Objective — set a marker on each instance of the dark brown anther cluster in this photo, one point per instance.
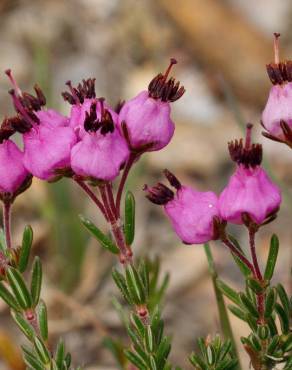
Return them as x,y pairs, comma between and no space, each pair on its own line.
159,194
84,90
279,72
105,124
248,156
11,125
172,179
167,90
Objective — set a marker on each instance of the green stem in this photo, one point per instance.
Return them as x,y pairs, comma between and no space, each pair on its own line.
223,315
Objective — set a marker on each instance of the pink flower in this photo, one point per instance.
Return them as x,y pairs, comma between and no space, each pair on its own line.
277,114
102,151
191,212
47,150
249,190
145,120
47,138
12,170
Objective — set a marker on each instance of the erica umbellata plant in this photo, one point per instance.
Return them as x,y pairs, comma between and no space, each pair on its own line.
96,147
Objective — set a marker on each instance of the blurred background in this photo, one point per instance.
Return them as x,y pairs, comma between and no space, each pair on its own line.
222,48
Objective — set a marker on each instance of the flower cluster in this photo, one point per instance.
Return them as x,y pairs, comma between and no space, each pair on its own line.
249,197
94,143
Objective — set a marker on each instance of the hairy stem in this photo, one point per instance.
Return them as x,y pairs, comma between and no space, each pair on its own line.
235,251
127,168
260,296
7,222
93,197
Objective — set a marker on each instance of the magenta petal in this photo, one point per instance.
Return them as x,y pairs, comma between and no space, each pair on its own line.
278,108
47,149
12,170
249,191
148,121
52,117
99,156
191,213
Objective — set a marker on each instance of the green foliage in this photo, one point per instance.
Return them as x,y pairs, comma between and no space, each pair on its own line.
129,218
214,354
104,241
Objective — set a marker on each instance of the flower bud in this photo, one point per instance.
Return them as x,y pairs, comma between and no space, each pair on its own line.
249,191
102,151
277,114
191,212
145,120
12,171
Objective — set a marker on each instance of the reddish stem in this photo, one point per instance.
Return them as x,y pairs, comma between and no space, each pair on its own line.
7,222
90,193
127,168
260,296
109,212
235,251
109,190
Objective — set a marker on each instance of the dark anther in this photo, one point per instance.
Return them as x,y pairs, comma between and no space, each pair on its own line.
84,90
159,194
105,124
11,125
119,106
280,72
167,90
249,157
172,179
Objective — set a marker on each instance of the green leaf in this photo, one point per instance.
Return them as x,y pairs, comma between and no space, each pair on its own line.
255,285
129,218
23,325
272,258
134,285
25,248
135,360
36,281
144,274
283,298
273,345
152,363
43,320
149,340
270,302
42,351
263,332
121,284
211,356
33,362
19,288
60,354
104,241
8,297
138,324
248,304
163,352
228,291
283,317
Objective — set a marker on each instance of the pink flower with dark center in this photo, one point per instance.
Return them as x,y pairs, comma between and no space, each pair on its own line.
81,99
47,137
249,191
102,151
277,115
192,213
145,120
12,170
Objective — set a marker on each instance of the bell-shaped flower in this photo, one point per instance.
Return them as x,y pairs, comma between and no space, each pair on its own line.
192,213
277,114
249,191
12,171
145,120
102,151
